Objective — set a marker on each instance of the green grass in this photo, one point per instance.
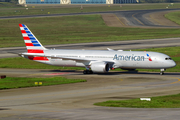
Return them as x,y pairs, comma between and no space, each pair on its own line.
22,63
171,101
7,5
18,82
174,16
75,29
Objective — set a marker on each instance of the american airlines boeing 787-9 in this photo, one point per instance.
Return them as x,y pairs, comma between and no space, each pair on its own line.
100,61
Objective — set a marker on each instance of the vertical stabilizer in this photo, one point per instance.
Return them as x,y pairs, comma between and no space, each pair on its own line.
31,42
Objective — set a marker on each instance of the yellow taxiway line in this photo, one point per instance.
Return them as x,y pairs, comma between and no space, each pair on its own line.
119,20
137,19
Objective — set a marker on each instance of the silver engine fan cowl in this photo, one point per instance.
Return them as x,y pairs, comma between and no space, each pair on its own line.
101,67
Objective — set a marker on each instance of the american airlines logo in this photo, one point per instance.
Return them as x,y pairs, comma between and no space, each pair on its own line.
149,57
128,58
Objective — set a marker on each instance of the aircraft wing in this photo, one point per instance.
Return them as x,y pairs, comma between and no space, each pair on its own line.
61,57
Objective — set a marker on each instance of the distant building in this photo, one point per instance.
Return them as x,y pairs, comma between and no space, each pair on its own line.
77,1
125,1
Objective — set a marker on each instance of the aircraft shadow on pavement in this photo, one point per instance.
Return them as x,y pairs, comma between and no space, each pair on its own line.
4,109
58,70
112,73
138,73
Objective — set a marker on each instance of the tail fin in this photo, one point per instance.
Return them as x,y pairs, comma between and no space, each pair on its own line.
31,42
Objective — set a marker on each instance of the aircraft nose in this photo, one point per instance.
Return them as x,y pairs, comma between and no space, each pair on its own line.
173,64
170,64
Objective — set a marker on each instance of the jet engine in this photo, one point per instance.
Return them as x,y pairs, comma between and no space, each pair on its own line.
101,67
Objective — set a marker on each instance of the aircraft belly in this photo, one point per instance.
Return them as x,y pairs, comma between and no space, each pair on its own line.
140,64
45,62
133,64
149,65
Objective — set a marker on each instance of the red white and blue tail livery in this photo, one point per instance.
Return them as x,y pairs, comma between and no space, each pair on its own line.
31,42
100,61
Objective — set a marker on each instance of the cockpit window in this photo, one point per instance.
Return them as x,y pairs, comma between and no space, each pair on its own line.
168,58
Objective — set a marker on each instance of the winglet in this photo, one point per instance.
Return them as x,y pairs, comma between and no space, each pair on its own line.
110,49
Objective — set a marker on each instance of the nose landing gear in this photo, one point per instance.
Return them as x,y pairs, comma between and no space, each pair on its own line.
162,71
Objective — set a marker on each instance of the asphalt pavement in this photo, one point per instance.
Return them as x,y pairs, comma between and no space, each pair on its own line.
75,101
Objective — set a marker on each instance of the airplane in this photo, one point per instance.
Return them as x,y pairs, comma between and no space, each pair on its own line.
95,61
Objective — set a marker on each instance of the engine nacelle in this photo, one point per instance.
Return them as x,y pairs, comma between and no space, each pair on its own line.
101,67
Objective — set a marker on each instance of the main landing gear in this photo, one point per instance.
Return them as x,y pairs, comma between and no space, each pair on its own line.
87,72
162,71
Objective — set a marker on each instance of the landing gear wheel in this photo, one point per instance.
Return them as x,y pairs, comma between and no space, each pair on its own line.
87,72
91,72
162,71
84,72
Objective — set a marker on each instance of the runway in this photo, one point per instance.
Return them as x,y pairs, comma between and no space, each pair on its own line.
75,101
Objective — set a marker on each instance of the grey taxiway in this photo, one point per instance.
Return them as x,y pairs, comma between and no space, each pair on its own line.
75,101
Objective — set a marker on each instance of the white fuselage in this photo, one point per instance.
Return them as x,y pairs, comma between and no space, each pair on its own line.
119,59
